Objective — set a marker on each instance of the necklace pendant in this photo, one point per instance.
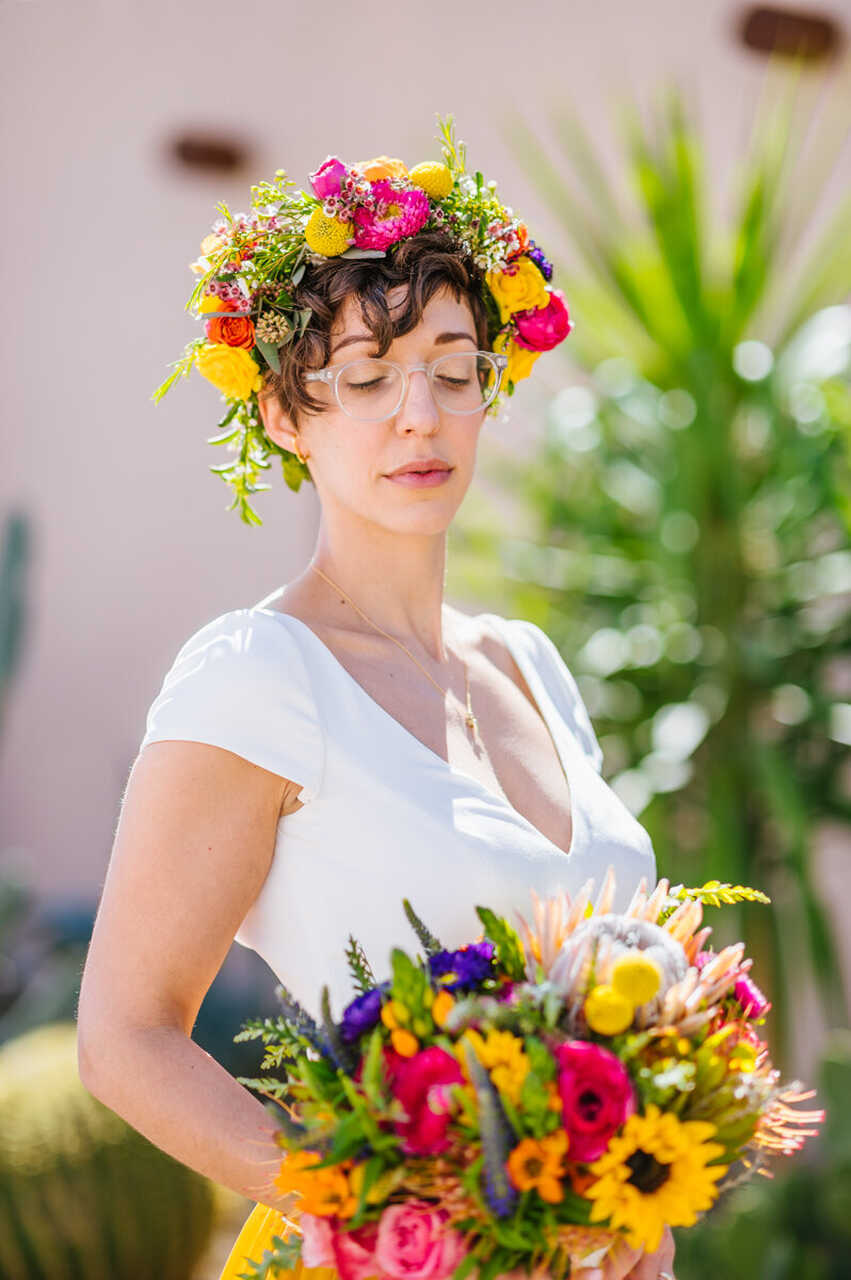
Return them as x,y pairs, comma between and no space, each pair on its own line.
472,723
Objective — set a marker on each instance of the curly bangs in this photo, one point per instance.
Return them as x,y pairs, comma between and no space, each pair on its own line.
426,263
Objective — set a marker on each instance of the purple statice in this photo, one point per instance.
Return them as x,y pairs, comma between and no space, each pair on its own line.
543,264
362,1013
470,965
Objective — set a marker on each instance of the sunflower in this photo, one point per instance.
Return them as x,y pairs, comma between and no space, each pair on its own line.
655,1174
538,1163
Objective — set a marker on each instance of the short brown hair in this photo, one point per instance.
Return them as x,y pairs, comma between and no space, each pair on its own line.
426,263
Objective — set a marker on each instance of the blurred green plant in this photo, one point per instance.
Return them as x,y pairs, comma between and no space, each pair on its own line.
682,532
796,1226
14,562
82,1194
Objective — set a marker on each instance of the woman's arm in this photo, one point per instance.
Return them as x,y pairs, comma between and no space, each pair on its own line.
194,843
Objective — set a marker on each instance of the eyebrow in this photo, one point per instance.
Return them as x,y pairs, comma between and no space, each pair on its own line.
367,337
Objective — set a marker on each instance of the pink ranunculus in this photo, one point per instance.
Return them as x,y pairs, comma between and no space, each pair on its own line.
396,214
416,1242
597,1097
354,1251
541,328
421,1084
327,178
317,1245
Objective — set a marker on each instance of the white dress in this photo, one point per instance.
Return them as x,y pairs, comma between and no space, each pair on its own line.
383,816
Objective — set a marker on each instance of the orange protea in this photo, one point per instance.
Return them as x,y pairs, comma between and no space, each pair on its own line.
538,1163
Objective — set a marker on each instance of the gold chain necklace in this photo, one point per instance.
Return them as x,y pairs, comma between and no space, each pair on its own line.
469,719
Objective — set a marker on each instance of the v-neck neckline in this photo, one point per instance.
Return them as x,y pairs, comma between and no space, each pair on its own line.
448,767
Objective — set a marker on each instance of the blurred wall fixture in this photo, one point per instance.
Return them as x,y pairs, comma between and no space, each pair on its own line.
208,151
769,28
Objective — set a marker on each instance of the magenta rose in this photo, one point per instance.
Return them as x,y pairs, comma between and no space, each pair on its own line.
415,1242
597,1097
327,178
317,1243
421,1084
354,1251
541,328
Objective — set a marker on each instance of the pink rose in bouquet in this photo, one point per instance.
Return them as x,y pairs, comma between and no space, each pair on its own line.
541,328
415,1242
597,1097
421,1084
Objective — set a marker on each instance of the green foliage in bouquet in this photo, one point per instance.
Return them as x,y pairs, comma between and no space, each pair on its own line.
82,1194
682,532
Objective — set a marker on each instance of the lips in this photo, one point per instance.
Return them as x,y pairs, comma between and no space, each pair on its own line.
421,469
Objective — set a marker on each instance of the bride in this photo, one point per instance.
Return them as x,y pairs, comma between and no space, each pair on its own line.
352,739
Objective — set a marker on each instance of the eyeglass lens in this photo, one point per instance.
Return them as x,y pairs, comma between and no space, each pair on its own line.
461,382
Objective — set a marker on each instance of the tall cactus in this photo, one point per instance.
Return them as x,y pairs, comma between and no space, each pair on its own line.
83,1196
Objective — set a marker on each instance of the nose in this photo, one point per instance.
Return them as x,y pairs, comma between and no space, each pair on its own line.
418,409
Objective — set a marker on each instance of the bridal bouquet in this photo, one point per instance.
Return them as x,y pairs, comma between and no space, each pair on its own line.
524,1102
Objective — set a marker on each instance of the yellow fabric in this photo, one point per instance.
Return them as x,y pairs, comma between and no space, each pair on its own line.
261,1225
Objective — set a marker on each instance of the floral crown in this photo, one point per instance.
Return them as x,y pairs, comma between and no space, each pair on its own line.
251,265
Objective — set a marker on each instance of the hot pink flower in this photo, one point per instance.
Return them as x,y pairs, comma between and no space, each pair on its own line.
421,1083
415,1242
541,328
354,1251
749,996
597,1097
326,180
317,1245
396,214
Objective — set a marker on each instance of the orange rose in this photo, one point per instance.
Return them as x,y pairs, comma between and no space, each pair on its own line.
234,331
381,167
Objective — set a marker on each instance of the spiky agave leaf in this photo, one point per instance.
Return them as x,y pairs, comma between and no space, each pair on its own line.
498,1137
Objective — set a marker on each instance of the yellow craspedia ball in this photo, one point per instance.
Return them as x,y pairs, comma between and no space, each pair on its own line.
328,236
432,177
232,369
636,976
607,1011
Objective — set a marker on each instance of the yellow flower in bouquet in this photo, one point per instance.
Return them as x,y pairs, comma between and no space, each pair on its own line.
657,1173
520,360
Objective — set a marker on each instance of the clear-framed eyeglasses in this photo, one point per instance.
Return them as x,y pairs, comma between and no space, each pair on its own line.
369,389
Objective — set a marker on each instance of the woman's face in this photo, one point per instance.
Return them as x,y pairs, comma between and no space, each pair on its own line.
350,460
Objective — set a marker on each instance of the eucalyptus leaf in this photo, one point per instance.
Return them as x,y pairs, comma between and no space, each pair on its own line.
298,273
269,353
364,253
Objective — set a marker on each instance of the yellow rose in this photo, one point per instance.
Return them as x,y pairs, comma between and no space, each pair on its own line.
520,360
381,167
520,287
232,369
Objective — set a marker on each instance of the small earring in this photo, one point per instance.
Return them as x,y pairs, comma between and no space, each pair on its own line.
298,454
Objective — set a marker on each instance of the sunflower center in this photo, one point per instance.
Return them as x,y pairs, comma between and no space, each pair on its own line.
648,1174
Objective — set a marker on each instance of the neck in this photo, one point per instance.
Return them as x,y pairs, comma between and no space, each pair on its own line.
397,582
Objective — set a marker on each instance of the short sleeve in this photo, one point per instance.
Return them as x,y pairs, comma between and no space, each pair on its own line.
241,683
562,688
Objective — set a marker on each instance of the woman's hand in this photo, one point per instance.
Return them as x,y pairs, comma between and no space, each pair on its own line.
624,1263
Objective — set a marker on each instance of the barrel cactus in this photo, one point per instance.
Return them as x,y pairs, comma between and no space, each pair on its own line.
83,1196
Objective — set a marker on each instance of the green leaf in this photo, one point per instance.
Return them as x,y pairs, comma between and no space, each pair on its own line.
297,274
363,253
509,948
429,942
269,353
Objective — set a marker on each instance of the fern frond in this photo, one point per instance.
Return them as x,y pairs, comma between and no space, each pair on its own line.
428,941
359,967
